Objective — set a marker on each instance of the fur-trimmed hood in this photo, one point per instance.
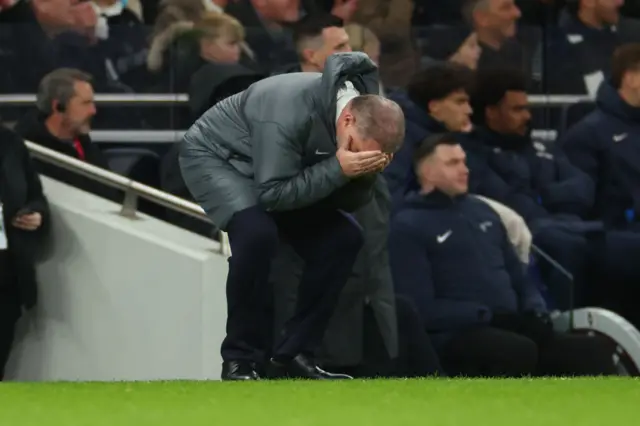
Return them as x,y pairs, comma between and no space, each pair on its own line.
162,42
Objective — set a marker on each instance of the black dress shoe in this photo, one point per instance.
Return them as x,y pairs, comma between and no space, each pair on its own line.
301,367
239,370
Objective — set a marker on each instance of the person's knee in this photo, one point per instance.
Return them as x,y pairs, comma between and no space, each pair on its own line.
253,231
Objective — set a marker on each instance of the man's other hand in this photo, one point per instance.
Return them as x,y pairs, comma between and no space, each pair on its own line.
28,222
356,164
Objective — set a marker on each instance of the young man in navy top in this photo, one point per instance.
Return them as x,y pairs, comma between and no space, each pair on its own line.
450,254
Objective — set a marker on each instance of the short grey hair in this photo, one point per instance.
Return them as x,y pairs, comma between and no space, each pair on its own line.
59,85
470,7
380,119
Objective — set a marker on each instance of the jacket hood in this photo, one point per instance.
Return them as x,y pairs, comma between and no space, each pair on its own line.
415,114
162,42
609,101
339,67
214,82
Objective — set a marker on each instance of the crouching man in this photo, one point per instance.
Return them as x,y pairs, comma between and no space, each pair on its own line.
450,254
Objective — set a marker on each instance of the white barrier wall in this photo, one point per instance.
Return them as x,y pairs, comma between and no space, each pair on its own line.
121,299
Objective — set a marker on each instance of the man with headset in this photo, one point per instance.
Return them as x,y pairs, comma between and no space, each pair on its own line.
62,122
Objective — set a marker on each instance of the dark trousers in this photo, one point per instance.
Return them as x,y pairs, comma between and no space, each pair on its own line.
10,310
416,355
492,352
327,241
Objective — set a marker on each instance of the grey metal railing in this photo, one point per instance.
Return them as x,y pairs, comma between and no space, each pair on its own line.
132,189
181,98
172,136
109,99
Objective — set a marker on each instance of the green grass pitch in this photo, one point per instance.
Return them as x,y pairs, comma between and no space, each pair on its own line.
433,402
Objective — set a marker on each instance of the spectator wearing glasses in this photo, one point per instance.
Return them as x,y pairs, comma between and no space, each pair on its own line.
62,122
316,37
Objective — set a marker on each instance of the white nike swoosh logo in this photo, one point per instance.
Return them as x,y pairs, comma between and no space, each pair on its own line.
442,238
618,138
318,152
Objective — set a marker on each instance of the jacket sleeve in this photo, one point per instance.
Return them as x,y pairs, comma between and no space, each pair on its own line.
529,297
574,190
411,271
581,148
36,199
282,180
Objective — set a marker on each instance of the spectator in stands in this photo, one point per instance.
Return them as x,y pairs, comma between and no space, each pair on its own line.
437,100
461,47
486,318
591,31
123,40
316,37
38,36
495,23
184,47
265,22
24,219
62,122
534,179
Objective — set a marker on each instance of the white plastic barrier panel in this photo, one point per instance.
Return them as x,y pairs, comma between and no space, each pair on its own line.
121,299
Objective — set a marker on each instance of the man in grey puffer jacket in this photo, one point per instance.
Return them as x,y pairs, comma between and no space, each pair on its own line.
287,158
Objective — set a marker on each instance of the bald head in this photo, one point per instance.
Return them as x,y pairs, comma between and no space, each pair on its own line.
376,120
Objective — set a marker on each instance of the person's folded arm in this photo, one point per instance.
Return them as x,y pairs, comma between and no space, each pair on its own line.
574,187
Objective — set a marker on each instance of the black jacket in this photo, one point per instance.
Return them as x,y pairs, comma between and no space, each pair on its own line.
20,188
32,127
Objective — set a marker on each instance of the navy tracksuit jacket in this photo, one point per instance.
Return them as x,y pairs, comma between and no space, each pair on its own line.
606,146
452,258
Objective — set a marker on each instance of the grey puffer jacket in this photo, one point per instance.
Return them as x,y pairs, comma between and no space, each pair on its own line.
275,144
